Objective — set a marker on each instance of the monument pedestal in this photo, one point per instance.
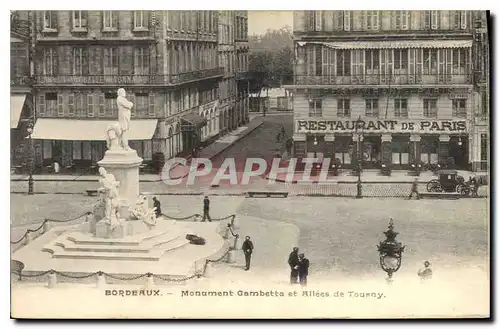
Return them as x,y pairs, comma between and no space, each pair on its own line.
124,165
104,230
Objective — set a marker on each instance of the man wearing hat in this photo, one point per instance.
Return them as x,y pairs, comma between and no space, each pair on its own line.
425,273
303,269
293,261
247,248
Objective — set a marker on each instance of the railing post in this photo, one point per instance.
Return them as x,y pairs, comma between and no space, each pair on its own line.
52,280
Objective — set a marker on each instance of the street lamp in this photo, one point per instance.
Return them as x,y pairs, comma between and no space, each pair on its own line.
359,132
391,252
30,158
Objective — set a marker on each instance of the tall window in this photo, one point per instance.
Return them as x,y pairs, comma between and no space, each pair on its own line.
110,61
109,20
140,19
141,104
372,19
459,108
347,19
79,19
343,62
371,109
460,19
372,61
430,108
319,60
484,147
80,61
401,19
50,61
50,20
315,107
431,19
459,61
401,107
343,107
141,61
400,59
80,104
484,103
111,108
51,104
430,61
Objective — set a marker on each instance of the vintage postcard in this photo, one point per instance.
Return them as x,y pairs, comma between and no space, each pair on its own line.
250,164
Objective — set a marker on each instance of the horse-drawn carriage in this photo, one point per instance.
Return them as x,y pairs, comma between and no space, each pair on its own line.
449,181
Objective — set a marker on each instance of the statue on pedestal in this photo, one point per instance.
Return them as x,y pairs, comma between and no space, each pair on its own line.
109,188
116,134
144,213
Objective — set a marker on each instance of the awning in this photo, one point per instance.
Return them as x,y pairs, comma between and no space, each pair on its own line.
16,107
395,44
195,119
89,130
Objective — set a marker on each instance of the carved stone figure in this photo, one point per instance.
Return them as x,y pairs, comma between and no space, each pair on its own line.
124,113
113,137
109,186
142,212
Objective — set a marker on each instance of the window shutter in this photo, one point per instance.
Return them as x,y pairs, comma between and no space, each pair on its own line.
60,105
364,20
347,20
84,18
427,19
411,64
449,62
455,16
405,20
54,19
90,105
318,20
41,105
463,19
85,61
55,61
420,64
376,19
71,105
434,19
134,18
102,109
151,107
114,18
145,19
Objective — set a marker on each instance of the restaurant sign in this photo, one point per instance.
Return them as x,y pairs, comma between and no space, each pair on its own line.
381,126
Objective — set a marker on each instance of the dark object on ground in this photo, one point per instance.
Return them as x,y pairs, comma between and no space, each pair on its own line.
194,239
267,194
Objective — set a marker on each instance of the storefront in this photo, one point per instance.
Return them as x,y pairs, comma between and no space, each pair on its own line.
395,142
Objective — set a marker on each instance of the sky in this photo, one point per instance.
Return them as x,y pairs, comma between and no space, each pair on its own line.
260,21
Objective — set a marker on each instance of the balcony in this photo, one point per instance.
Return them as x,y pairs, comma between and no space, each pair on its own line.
20,81
382,80
128,79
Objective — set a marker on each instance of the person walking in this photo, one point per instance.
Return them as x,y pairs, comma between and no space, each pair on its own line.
474,185
425,273
157,206
414,189
247,248
206,209
293,261
303,269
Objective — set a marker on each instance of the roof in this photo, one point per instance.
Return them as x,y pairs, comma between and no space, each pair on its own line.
403,44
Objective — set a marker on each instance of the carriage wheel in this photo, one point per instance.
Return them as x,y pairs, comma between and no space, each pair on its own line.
462,190
433,186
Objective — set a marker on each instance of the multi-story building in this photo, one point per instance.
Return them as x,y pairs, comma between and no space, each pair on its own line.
242,76
167,61
480,135
397,82
21,97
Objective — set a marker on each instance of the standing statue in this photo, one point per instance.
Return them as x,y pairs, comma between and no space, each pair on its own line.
109,188
124,113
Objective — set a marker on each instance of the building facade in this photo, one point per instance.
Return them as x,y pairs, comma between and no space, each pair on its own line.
167,61
241,75
396,85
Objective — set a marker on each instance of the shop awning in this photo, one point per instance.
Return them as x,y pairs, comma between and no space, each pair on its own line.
195,120
16,107
89,130
406,44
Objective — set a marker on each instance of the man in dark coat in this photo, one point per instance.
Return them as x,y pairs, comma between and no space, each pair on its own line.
293,261
303,269
157,205
206,209
414,189
247,248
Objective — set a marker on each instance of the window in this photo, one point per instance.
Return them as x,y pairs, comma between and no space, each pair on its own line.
79,20
400,59
315,107
431,19
401,107
371,109
80,61
460,20
344,107
484,103
430,61
319,60
371,60
141,61
102,109
50,61
347,20
50,20
90,105
110,104
484,147
430,108
60,105
344,62
372,19
77,150
111,60
109,20
80,105
459,61
141,104
459,108
50,104
140,20
401,19
71,105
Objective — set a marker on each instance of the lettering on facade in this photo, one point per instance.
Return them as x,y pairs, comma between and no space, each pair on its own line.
324,126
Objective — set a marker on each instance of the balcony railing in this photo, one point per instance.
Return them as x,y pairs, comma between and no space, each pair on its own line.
23,81
128,79
377,79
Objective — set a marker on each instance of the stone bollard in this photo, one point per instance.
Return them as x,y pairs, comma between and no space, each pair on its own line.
231,256
52,280
101,280
150,281
207,270
28,238
46,226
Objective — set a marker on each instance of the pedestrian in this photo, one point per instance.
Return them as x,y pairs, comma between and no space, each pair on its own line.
247,248
56,166
157,205
475,186
425,273
206,209
293,261
414,189
303,269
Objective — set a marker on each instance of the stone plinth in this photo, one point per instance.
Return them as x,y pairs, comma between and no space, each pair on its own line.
124,165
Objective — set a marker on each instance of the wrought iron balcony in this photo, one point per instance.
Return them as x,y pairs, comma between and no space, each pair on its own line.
378,79
22,81
128,79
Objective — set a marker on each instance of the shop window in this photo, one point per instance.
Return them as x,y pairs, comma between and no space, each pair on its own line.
400,150
429,149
